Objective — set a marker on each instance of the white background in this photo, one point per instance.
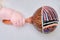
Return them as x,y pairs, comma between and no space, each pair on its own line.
28,32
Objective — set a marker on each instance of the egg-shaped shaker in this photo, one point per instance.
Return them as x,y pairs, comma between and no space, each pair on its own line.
45,19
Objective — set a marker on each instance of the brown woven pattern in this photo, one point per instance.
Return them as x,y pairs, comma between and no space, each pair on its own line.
36,19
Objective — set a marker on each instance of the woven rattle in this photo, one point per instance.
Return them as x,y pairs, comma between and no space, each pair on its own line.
45,19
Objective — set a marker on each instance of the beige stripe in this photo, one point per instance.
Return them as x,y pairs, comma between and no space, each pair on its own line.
50,25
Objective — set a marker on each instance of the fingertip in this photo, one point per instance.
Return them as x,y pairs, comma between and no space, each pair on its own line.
6,21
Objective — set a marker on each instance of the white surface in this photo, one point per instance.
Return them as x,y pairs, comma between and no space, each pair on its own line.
28,32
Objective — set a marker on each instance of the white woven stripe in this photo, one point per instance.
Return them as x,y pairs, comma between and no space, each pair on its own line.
50,22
